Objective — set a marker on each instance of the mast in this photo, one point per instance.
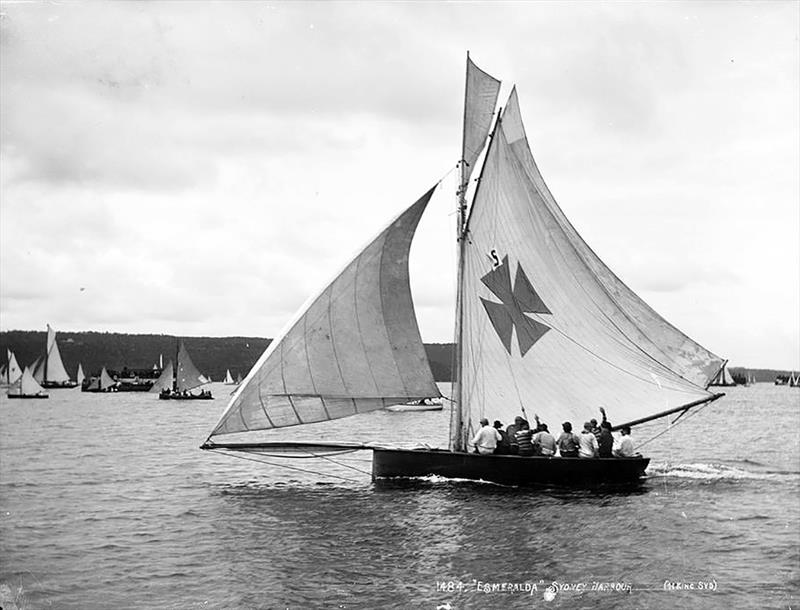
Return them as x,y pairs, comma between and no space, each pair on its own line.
456,423
177,365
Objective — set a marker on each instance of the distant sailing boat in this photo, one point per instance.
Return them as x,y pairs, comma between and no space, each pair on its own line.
104,383
50,371
542,325
26,387
228,378
11,371
80,376
794,380
176,383
723,377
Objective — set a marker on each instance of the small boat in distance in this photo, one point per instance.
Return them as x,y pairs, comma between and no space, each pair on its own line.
228,378
177,382
423,404
27,387
541,324
103,383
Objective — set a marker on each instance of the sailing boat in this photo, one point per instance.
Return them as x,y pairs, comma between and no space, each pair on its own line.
228,378
723,377
11,371
26,387
794,380
177,382
80,376
50,371
534,306
104,383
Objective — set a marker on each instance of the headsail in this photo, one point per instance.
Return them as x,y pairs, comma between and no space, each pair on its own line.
541,330
54,371
164,380
13,372
354,348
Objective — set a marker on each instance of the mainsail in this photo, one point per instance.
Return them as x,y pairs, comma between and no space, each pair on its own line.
80,375
101,383
547,329
354,348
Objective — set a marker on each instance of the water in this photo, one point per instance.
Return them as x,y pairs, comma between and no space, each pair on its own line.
106,502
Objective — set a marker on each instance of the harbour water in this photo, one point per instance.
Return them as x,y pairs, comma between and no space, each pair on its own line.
107,502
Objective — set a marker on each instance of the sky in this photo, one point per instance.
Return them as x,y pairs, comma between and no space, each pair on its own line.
202,168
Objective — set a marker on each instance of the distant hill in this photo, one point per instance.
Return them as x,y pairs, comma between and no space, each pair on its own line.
212,355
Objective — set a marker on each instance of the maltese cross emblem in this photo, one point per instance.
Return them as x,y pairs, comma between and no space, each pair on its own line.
515,302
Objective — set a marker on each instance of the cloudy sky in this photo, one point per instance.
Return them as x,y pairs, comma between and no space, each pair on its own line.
202,168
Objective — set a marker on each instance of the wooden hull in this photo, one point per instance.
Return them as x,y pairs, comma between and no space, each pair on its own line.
507,469
29,396
179,397
55,385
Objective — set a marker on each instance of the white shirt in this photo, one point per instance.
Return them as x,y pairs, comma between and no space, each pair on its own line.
588,445
623,447
486,439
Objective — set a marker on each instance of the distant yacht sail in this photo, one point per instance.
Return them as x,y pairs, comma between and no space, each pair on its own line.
177,383
26,387
723,377
542,327
11,371
103,383
228,378
49,369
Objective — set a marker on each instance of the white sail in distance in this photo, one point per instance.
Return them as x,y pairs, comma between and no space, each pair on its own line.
187,375
354,348
54,371
541,334
165,379
26,385
13,371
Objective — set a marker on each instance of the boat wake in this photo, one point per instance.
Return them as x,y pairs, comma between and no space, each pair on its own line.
716,472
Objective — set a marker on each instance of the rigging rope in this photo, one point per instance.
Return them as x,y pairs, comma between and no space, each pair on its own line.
251,459
692,414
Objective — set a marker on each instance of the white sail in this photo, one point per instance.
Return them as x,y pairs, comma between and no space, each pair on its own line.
164,380
354,348
723,377
54,370
480,100
80,375
37,369
26,385
624,308
540,330
228,379
13,371
187,375
106,381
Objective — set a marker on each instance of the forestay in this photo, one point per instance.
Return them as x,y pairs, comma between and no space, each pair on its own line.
354,348
547,328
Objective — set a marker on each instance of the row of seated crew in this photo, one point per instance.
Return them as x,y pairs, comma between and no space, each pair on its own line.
518,439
